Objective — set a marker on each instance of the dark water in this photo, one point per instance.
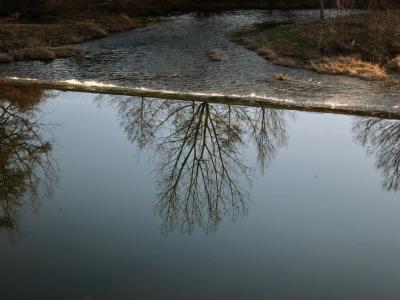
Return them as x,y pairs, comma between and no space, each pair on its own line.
172,55
126,198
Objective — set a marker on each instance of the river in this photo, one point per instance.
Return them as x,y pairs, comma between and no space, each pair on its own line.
171,54
108,197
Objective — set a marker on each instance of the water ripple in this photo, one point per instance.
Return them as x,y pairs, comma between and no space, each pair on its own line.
172,55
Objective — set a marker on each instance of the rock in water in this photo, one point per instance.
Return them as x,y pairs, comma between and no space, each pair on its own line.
216,55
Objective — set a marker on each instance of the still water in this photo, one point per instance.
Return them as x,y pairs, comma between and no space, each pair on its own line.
106,197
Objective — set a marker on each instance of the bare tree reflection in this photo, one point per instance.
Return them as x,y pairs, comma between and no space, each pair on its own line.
382,139
200,148
26,166
200,159
268,130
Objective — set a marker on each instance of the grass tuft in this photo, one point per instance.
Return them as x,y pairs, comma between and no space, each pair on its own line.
216,55
348,65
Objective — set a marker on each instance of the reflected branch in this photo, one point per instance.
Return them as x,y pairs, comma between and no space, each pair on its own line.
382,139
198,165
268,129
26,165
200,147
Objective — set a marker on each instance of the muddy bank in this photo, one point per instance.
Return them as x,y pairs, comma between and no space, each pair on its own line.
39,40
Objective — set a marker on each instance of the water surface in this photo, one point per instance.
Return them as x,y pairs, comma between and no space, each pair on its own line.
106,197
172,55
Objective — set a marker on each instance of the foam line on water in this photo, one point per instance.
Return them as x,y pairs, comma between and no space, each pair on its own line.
251,99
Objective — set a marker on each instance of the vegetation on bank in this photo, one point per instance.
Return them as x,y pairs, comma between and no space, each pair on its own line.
44,29
365,46
36,8
49,39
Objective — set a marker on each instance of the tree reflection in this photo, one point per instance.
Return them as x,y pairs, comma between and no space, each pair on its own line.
382,138
200,148
26,166
268,128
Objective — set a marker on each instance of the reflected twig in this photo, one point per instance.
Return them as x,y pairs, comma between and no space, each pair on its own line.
200,147
26,165
382,139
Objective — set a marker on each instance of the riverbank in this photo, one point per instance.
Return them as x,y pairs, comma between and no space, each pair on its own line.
51,37
44,29
346,46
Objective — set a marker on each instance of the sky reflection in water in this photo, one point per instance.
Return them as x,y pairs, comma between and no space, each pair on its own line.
153,197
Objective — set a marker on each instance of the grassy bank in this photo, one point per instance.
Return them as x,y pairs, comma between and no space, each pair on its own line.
49,38
349,46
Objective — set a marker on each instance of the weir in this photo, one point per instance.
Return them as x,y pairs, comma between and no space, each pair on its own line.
250,100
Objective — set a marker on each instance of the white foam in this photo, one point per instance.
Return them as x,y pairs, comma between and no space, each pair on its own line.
86,83
96,84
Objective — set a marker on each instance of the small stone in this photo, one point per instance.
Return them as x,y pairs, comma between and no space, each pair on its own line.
281,77
216,55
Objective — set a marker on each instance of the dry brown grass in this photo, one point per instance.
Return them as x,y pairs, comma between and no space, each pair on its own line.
348,65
